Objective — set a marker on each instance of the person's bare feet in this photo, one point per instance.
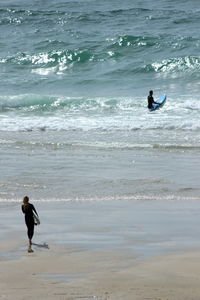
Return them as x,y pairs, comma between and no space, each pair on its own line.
30,250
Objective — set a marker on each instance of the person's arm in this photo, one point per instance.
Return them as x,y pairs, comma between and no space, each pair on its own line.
153,101
23,209
33,208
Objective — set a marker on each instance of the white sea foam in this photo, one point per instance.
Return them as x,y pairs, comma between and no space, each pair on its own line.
38,112
122,198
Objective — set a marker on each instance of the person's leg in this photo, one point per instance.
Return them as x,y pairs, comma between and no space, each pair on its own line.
30,233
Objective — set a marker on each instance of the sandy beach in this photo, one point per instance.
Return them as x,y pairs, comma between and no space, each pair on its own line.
92,262
69,273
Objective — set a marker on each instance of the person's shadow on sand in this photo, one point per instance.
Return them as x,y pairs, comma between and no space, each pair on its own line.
44,245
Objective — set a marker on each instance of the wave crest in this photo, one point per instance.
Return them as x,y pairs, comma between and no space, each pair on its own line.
137,41
49,59
33,103
186,63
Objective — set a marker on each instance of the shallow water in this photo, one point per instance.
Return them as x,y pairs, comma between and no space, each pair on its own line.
53,167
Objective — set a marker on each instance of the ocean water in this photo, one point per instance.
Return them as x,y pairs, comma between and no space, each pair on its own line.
75,76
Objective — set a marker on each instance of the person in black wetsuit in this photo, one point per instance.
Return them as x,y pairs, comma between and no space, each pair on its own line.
150,99
28,209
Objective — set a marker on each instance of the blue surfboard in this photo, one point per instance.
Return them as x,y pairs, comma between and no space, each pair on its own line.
159,103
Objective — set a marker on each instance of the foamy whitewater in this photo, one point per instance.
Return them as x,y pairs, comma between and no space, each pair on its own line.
75,76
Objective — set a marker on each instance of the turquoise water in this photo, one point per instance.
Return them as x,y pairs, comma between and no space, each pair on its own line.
111,48
74,80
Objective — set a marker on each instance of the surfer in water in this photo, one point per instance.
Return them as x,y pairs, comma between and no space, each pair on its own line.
150,99
28,209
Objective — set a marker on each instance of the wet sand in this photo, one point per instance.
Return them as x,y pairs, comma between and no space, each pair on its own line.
69,273
98,265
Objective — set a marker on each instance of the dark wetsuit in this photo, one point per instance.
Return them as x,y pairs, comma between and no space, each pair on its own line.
29,220
150,101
